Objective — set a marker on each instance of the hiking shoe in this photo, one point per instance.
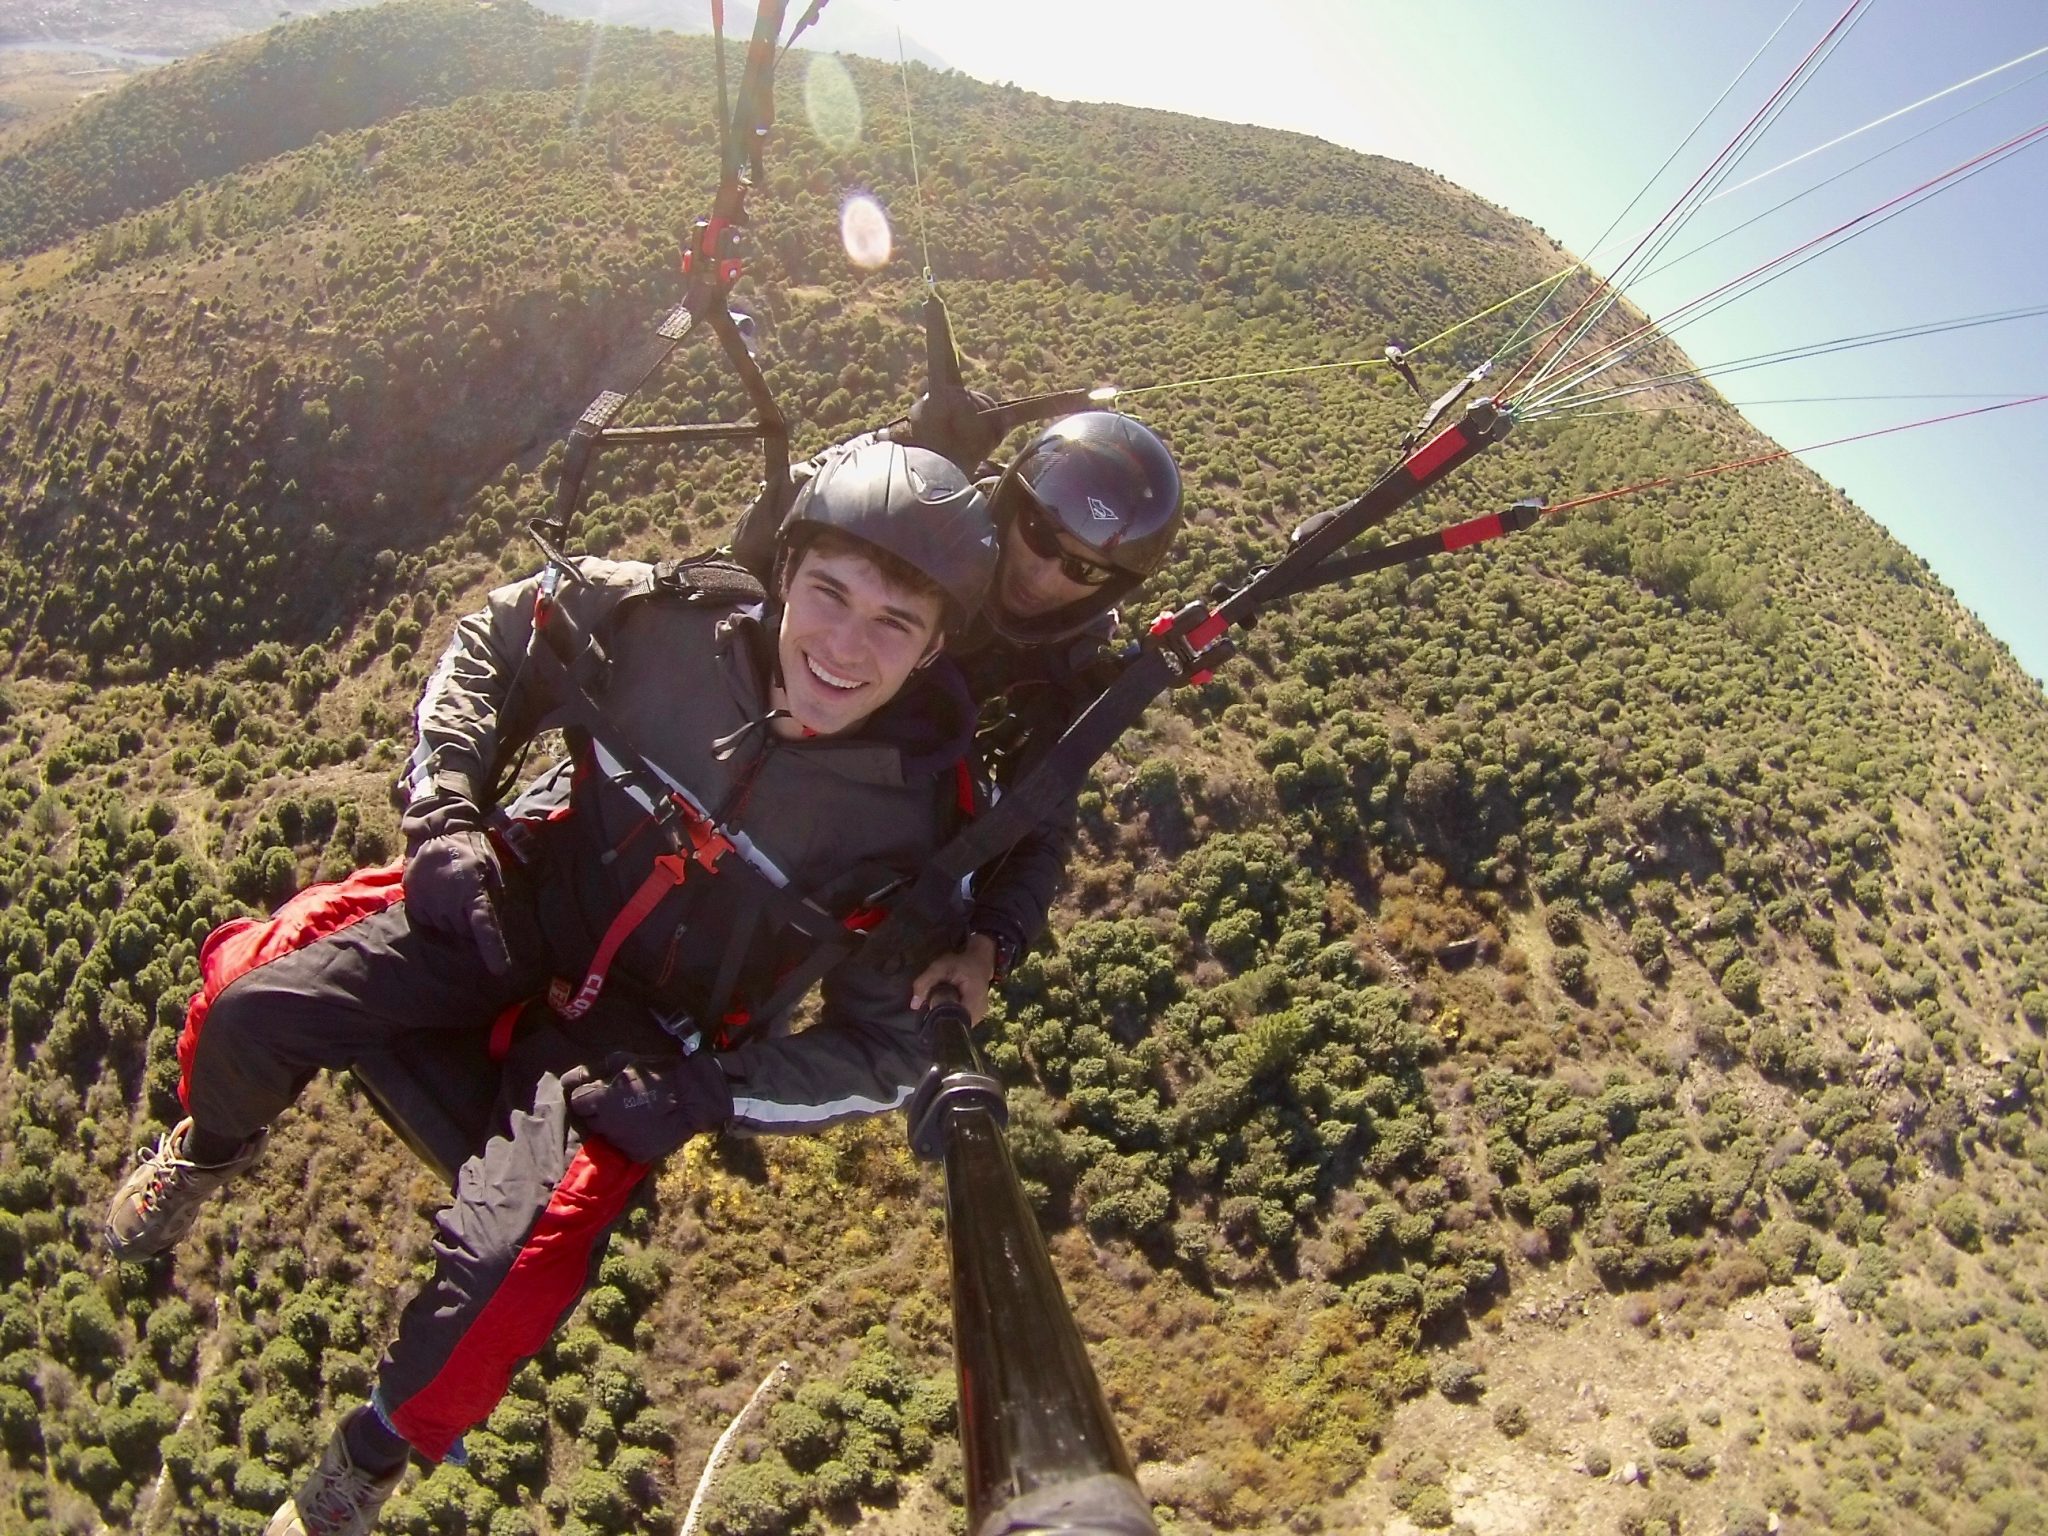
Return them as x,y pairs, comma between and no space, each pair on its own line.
158,1204
339,1499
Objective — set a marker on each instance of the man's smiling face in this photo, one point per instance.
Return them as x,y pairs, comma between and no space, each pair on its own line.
850,638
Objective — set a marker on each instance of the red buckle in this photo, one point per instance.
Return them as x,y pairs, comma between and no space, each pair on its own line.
708,845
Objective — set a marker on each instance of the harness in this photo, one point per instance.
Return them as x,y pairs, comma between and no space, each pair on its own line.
695,839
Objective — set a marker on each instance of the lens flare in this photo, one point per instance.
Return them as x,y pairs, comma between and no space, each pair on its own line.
864,231
832,103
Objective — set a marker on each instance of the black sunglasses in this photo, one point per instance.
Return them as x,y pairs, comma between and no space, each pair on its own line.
1043,540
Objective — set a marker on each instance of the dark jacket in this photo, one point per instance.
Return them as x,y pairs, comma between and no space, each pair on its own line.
834,820
1028,696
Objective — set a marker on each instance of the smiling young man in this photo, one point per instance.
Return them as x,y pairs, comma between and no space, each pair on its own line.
745,776
1085,513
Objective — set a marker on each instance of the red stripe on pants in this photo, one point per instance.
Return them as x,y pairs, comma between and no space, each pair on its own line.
543,1283
235,949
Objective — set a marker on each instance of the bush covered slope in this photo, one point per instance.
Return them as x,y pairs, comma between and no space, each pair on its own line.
1742,812
179,127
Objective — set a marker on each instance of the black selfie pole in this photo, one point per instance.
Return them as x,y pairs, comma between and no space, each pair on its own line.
1042,1453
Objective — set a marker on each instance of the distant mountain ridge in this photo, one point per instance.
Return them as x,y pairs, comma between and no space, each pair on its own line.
179,27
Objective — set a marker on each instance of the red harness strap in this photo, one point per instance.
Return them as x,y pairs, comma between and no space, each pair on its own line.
666,875
707,846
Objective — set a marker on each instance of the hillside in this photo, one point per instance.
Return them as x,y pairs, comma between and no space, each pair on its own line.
37,86
1722,1161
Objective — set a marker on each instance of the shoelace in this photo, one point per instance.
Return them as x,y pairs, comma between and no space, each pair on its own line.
338,1495
162,1163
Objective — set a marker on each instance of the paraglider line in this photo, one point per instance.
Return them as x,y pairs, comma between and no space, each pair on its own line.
1787,355
1780,453
924,244
1890,117
1932,127
1608,292
1118,393
1748,282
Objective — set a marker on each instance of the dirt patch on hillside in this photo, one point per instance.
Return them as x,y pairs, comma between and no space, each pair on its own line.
1595,1375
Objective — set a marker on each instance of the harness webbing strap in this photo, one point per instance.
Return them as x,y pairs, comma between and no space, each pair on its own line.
668,872
827,951
745,921
1026,806
500,1043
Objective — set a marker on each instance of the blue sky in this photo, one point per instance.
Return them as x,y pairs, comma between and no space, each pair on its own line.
1561,111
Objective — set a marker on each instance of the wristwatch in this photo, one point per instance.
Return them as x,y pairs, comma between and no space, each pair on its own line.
1006,951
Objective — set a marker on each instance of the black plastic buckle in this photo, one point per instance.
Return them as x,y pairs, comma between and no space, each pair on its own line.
944,1090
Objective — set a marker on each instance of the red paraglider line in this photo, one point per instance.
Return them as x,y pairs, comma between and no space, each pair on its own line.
1780,453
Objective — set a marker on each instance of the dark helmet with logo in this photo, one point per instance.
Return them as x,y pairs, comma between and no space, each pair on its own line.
911,505
1099,492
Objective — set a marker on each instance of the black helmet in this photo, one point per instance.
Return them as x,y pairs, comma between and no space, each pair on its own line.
1095,481
910,504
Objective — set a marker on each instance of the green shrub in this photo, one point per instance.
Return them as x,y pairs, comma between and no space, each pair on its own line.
1819,935
1432,1508
21,1420
172,1333
87,1334
1572,965
1959,1219
1743,984
599,1498
803,1435
1646,946
834,1485
259,1487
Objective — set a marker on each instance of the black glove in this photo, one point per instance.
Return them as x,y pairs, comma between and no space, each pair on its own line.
451,885
647,1106
948,421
